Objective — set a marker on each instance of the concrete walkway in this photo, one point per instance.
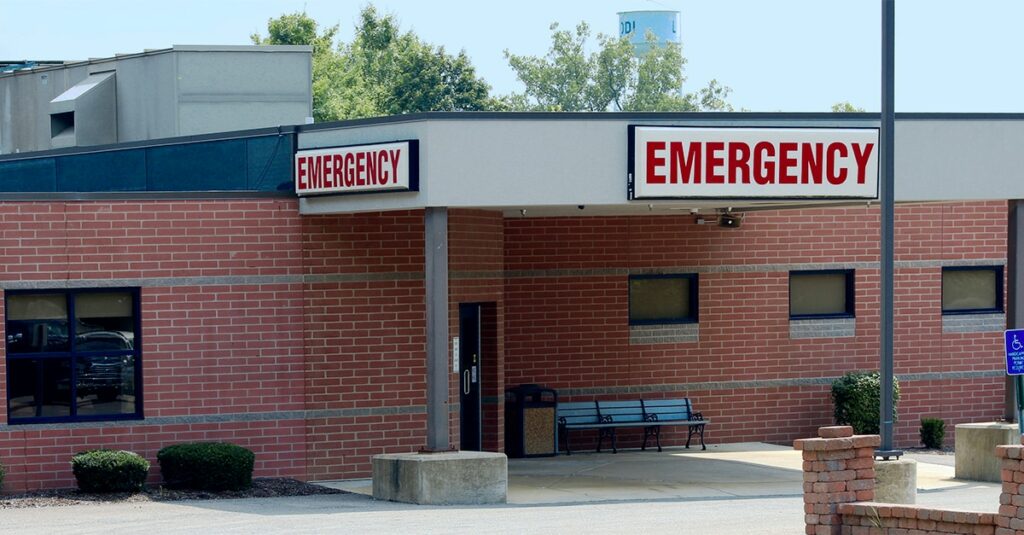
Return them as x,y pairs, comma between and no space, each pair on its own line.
743,470
731,489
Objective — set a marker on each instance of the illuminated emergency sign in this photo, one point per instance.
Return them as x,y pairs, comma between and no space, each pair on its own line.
753,163
358,169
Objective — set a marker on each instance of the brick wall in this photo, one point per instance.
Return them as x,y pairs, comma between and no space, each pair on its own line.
566,312
365,339
304,337
221,324
839,486
475,258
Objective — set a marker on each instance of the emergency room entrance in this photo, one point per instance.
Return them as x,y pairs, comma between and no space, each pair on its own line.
470,377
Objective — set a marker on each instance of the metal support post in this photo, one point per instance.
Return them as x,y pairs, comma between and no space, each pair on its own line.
887,167
436,282
1015,303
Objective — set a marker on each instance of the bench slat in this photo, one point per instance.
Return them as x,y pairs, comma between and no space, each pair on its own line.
668,409
578,413
622,411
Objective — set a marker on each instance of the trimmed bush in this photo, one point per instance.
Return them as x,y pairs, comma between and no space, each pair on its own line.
933,430
206,466
855,397
109,471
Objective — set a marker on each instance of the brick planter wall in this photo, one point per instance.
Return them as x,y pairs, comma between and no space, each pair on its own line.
839,484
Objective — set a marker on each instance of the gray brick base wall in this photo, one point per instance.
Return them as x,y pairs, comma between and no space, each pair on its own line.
974,323
823,328
664,334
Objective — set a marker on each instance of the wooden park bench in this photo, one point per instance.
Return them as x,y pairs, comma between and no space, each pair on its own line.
651,415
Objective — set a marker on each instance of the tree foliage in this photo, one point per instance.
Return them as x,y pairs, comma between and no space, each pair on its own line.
846,107
613,77
383,71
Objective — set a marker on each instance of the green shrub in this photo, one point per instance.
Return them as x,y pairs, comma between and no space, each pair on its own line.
933,430
855,399
109,471
206,466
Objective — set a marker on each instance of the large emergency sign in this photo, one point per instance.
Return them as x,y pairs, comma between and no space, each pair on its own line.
358,169
752,163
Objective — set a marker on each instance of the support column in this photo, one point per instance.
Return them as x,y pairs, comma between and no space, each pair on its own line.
1014,290
436,272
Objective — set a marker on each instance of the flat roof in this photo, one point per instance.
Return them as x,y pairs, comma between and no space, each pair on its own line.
57,64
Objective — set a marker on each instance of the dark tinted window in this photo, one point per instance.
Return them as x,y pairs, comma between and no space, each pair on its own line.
72,355
656,299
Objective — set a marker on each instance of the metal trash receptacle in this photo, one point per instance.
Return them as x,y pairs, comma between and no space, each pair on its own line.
531,429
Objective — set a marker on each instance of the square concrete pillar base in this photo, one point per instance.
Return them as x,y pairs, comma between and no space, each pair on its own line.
448,478
976,449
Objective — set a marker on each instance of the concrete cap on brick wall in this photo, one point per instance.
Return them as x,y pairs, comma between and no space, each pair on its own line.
835,431
1009,452
842,443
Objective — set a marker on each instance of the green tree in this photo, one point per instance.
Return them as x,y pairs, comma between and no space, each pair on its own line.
400,73
845,107
570,79
383,71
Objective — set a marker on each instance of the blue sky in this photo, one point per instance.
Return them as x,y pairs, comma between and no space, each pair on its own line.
785,55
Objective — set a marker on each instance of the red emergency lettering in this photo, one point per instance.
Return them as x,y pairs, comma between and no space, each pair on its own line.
685,164
713,162
654,162
861,156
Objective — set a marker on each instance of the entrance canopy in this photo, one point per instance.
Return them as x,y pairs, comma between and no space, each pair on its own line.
566,164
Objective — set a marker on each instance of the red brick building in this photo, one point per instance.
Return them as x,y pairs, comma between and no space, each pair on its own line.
218,306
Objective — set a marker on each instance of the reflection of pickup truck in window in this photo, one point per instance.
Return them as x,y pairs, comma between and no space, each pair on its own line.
104,375
36,336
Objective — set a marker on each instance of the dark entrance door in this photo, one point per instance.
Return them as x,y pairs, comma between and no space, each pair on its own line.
470,429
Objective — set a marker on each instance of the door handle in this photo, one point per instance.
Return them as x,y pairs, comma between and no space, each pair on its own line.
465,382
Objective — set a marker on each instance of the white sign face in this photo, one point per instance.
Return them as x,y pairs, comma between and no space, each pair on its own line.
357,169
455,354
753,163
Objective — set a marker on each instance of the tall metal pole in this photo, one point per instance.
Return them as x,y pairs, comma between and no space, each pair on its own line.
885,155
1015,303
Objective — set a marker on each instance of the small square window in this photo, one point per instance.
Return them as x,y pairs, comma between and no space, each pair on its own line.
662,299
821,294
972,289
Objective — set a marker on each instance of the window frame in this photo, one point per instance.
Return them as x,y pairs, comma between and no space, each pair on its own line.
1000,304
71,355
694,301
851,294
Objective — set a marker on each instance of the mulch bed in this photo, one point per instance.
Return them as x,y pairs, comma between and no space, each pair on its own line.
261,488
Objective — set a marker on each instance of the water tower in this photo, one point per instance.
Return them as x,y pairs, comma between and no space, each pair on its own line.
635,25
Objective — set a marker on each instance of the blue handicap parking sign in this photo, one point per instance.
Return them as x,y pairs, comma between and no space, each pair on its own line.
1014,351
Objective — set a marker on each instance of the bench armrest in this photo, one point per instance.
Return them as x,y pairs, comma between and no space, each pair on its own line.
696,416
606,419
651,418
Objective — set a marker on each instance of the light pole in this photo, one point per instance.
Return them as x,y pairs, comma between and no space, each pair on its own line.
885,155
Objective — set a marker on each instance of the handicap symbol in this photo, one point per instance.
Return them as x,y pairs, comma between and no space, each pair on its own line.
1015,344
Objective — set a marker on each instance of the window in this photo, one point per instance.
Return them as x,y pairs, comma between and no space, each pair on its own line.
972,289
73,355
662,299
821,294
